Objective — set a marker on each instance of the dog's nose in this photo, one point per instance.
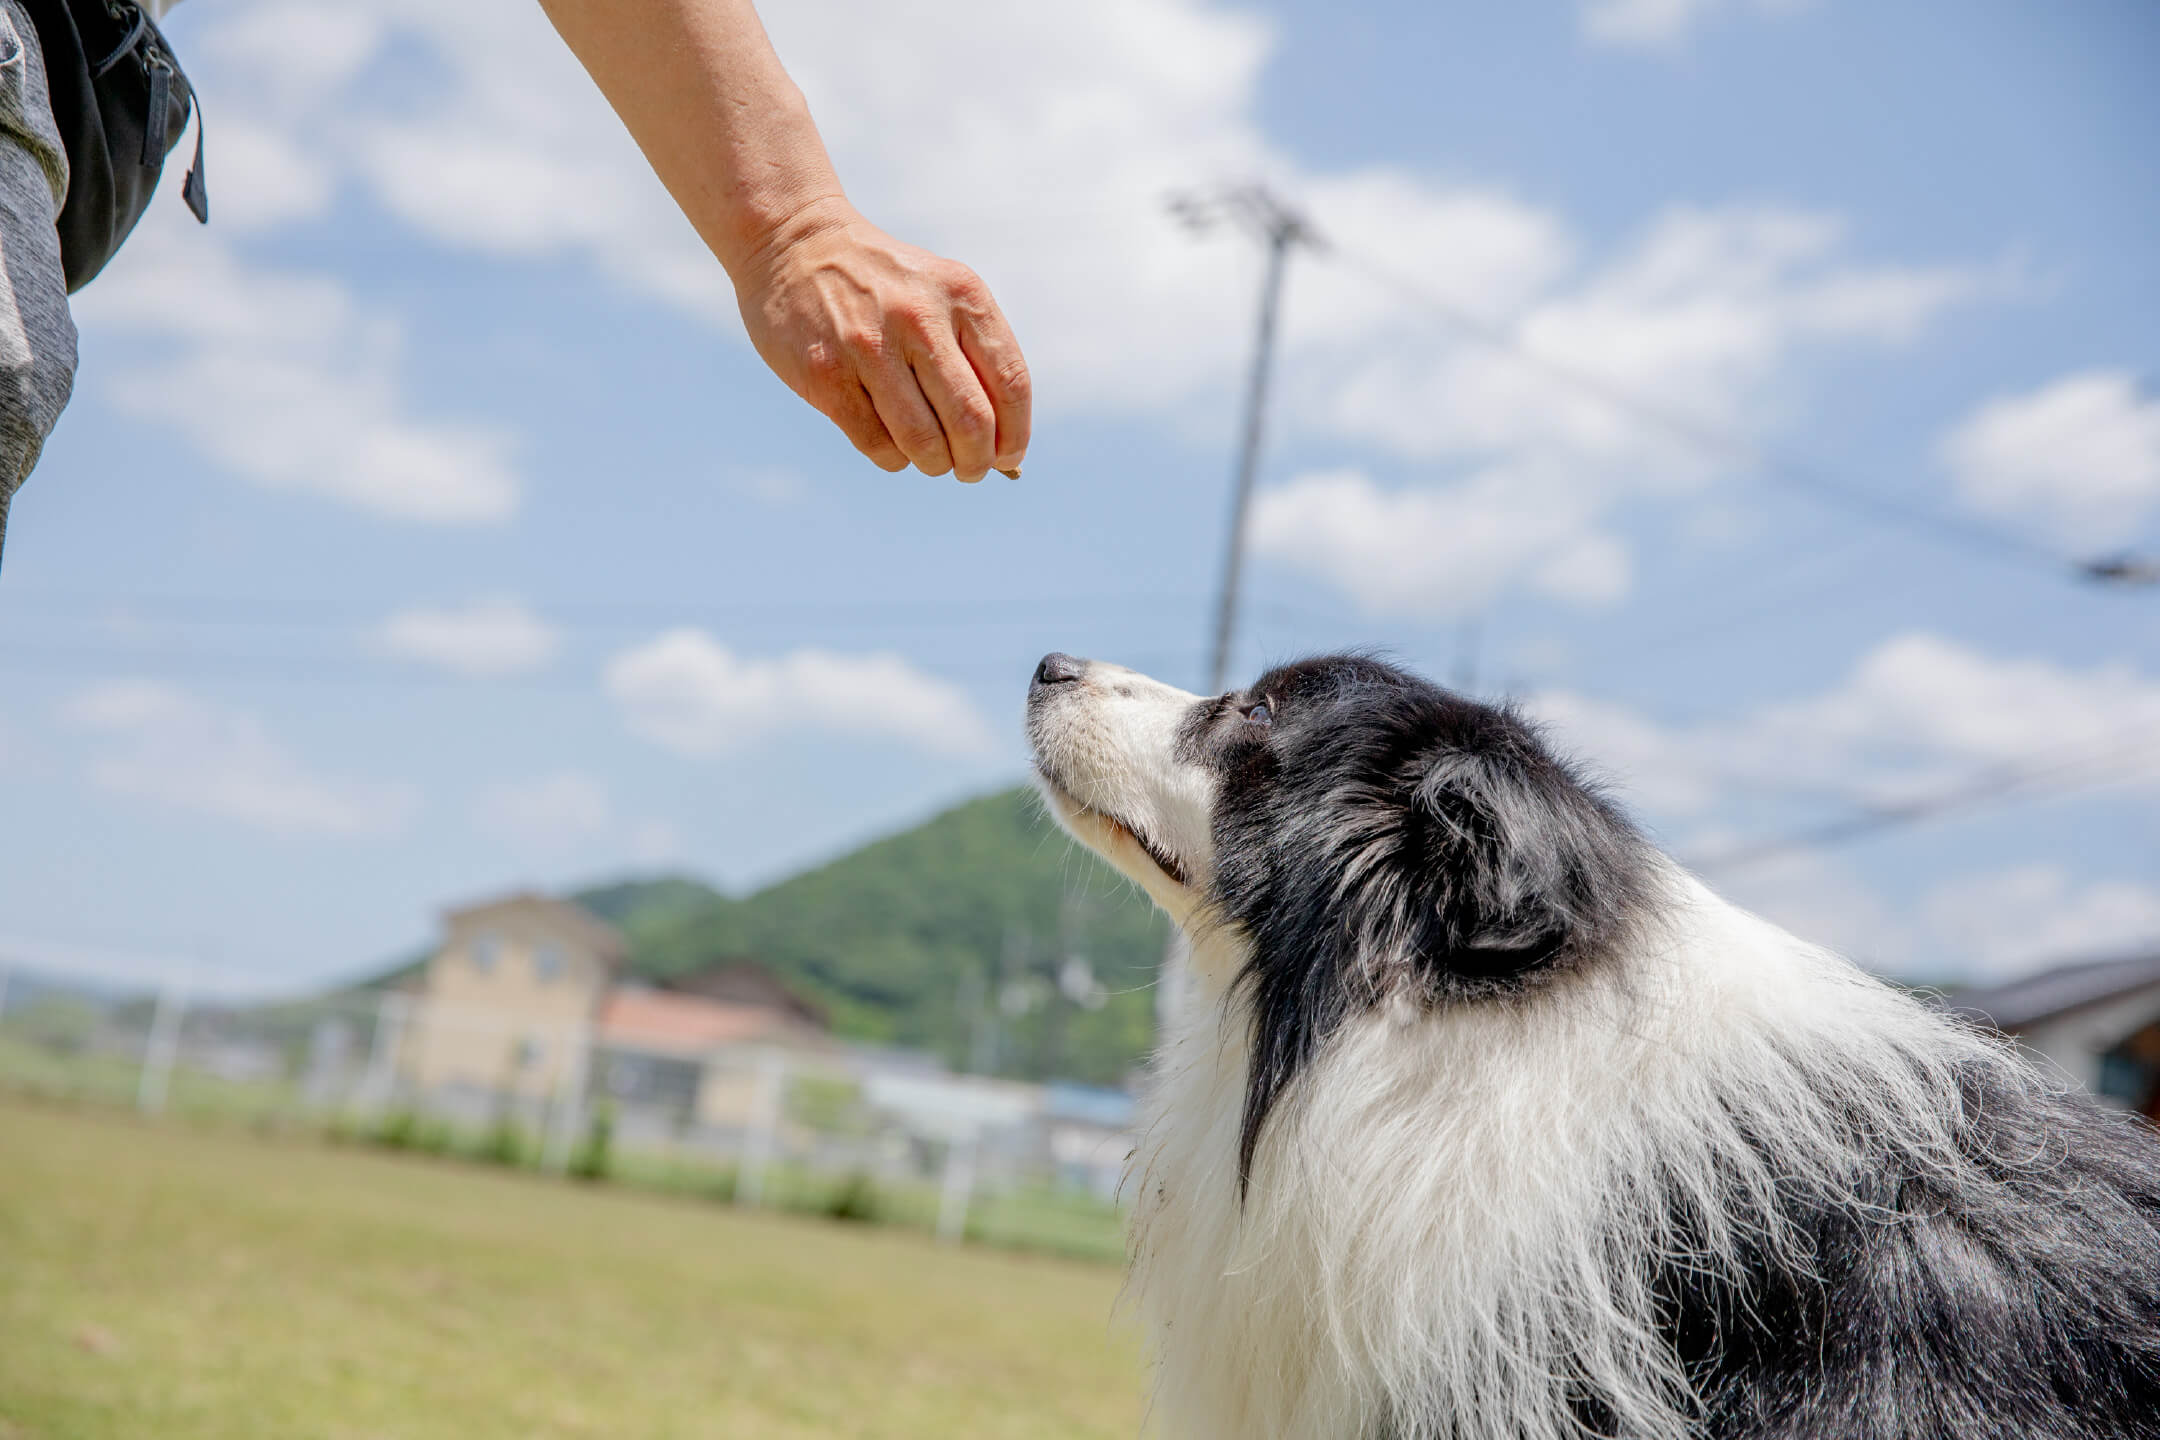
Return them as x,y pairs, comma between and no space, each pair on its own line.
1058,668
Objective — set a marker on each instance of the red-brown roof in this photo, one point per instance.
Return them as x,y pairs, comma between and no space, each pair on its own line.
745,982
632,1017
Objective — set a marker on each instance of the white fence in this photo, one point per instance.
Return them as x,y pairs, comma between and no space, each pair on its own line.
757,1115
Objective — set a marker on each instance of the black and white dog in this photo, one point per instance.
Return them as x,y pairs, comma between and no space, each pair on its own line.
1497,1125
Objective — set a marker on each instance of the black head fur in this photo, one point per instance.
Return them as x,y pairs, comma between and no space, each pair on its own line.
1379,839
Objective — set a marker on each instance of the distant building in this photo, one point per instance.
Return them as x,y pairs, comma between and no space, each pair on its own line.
525,995
694,1057
510,996
2099,1022
1088,1132
747,983
524,1009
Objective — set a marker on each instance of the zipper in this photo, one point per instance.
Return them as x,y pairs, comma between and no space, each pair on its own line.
161,69
134,27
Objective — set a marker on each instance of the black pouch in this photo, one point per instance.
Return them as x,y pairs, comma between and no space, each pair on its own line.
121,103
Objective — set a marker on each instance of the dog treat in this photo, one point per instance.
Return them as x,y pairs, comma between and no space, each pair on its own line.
1012,474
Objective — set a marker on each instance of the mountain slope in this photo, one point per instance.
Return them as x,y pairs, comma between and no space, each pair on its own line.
912,938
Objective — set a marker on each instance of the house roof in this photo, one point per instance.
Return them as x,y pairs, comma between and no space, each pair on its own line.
745,982
633,1017
550,911
2021,1004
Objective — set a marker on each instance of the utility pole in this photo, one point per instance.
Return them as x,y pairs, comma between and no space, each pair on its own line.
1255,209
1259,212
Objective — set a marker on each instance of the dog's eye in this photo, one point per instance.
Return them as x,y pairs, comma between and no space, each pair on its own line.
1259,714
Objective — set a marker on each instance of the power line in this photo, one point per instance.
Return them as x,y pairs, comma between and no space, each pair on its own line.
2053,772
392,672
279,613
2123,571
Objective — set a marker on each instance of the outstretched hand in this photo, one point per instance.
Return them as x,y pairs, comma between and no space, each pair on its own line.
905,351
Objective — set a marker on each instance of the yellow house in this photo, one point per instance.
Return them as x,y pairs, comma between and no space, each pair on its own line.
509,1001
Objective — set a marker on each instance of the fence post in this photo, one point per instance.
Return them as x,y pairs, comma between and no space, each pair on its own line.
758,1137
379,1082
160,1048
958,1190
566,1116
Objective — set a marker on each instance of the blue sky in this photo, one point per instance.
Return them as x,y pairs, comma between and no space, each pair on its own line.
425,526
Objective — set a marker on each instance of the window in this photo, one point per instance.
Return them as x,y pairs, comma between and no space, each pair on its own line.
548,961
485,949
2124,1077
531,1050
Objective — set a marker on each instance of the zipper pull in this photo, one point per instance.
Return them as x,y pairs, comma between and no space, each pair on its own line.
153,135
195,192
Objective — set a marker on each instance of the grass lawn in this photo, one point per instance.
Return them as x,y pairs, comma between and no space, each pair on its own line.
161,1281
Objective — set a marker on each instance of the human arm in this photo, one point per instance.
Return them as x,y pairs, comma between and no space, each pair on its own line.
905,351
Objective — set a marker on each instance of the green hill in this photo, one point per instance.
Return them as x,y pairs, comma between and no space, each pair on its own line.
913,939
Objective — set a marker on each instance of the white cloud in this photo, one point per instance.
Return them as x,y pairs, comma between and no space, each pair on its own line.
1986,925
686,691
1981,926
1048,171
299,55
1589,570
1696,321
1916,713
1658,24
287,380
1432,550
2080,455
1914,716
177,750
265,179
1920,702
489,638
471,122
2009,920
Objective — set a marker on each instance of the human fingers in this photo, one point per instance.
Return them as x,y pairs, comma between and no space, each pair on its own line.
994,355
908,416
857,417
830,380
964,412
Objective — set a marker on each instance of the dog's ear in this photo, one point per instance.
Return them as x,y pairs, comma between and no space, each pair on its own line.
1463,865
1516,865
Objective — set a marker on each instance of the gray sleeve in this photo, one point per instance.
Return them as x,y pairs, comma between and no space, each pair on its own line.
37,335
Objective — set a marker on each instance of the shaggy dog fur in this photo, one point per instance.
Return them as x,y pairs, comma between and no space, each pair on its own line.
1494,1124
